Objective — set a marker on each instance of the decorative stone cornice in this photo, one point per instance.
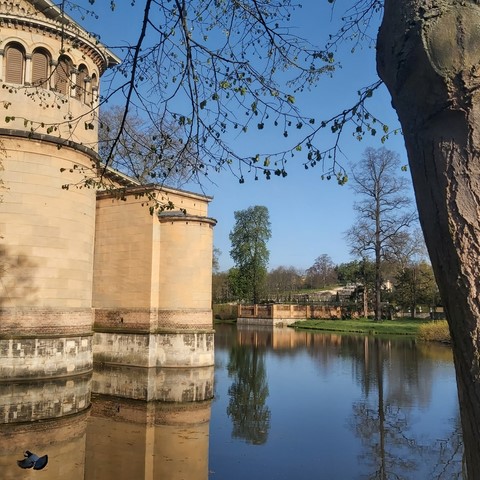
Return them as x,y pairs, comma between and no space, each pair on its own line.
45,17
60,142
178,216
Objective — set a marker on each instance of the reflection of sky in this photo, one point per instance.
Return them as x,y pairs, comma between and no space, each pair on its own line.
311,402
443,404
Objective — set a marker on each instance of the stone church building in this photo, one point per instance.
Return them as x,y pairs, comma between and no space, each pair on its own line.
84,275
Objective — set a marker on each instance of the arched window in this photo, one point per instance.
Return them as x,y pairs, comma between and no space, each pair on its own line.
81,87
14,63
40,68
62,75
93,91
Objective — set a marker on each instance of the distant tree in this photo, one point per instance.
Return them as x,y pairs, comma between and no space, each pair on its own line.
348,272
415,285
150,151
409,248
216,259
235,284
249,238
221,288
383,212
321,273
282,282
361,272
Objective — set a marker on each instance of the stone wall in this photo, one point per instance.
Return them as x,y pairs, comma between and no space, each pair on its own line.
176,349
152,280
46,232
45,357
279,314
66,248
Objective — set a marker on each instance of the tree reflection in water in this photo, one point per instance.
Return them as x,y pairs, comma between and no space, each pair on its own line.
248,394
391,447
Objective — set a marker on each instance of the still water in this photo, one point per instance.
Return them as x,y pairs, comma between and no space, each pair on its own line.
295,405
286,405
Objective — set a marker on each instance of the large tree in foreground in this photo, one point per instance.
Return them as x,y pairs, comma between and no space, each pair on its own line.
383,212
428,54
249,238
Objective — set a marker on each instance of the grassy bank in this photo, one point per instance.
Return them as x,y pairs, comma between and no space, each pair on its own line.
403,326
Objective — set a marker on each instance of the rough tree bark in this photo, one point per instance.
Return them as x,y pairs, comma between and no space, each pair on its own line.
428,55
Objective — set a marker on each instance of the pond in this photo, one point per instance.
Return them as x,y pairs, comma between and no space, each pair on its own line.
310,405
286,404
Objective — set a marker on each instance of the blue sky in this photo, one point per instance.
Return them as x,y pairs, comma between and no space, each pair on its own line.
308,215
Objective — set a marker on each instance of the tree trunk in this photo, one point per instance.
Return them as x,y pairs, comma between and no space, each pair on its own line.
365,301
378,289
428,55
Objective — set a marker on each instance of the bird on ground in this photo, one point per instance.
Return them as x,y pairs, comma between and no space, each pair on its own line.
32,460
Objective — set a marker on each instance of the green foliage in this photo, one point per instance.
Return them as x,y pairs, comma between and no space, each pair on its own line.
354,271
415,285
249,238
224,311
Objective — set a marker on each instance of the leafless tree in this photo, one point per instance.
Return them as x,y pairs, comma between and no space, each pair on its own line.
322,272
148,152
383,212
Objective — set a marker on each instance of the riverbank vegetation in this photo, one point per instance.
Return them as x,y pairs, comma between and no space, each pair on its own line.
421,328
436,331
364,325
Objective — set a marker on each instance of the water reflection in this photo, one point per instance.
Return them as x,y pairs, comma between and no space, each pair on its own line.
134,439
351,407
157,419
28,401
248,394
139,423
391,445
295,404
62,439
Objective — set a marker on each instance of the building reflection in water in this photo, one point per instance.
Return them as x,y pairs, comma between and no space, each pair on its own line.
47,417
149,423
122,423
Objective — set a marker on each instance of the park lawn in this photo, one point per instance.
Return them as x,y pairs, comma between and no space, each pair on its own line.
403,326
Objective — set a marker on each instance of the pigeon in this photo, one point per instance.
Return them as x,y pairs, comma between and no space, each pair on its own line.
32,460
